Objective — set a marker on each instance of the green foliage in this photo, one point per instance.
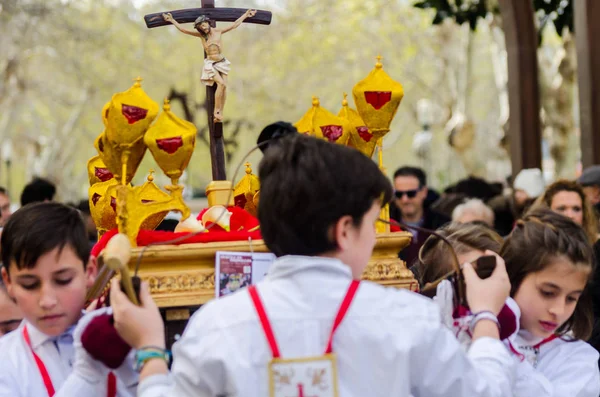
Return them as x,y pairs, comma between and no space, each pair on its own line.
558,12
460,10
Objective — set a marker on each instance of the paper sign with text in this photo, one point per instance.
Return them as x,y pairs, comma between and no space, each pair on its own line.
236,270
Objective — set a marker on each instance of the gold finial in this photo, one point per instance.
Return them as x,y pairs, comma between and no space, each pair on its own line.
345,100
138,82
315,101
150,176
248,168
379,65
166,105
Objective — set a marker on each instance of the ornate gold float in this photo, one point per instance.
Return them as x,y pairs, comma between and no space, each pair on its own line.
181,277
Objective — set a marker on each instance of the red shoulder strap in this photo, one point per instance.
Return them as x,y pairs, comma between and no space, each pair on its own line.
266,325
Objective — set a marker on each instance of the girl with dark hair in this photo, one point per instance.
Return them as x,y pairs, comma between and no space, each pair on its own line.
549,262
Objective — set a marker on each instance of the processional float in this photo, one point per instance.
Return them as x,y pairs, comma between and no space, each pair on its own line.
180,266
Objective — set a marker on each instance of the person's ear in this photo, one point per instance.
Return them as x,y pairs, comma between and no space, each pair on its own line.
341,232
7,282
91,270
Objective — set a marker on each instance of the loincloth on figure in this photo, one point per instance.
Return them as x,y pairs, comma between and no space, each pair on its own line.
211,68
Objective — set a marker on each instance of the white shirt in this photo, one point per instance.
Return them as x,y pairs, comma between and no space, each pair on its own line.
391,342
20,376
563,368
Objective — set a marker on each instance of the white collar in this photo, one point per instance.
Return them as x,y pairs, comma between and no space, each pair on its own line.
38,338
289,265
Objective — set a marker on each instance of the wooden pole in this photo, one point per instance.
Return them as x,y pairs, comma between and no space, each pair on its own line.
217,146
587,40
523,89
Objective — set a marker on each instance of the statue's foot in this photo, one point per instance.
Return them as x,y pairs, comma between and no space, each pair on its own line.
218,117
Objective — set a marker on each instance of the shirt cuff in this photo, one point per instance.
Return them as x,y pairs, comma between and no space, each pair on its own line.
490,348
155,386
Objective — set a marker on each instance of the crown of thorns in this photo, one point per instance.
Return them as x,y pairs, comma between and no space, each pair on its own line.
200,19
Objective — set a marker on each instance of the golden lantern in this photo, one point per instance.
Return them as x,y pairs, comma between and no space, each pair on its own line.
245,191
321,123
171,141
360,136
121,147
377,98
129,115
97,171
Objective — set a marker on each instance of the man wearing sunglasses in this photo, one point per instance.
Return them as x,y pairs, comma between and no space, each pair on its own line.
412,208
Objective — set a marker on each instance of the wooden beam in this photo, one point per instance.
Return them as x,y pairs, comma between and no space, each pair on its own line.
587,39
216,14
523,88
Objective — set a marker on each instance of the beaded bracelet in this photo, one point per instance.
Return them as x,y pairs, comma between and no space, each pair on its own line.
147,353
483,315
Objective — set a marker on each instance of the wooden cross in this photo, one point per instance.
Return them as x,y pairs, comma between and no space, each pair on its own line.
217,153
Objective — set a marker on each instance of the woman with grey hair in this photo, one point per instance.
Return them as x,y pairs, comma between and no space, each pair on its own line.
473,210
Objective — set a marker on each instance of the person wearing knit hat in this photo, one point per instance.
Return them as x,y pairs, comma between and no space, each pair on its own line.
528,185
590,180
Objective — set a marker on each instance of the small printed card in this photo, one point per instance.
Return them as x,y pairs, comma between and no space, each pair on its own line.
303,377
236,270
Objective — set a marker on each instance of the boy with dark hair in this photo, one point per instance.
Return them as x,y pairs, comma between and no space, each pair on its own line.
47,271
318,208
38,190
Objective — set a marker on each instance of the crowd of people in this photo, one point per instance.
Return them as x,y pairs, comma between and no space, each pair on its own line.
311,327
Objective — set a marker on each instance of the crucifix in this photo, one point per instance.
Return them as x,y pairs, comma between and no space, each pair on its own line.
216,66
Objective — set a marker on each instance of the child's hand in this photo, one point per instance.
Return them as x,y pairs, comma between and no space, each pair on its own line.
138,325
489,294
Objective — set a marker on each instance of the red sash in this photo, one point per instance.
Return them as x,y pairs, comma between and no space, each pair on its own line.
266,325
111,381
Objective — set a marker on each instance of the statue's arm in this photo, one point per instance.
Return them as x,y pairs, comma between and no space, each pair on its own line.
238,22
169,18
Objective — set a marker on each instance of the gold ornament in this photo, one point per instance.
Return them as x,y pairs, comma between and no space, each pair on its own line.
245,190
97,171
377,98
360,136
171,141
121,147
321,123
129,115
103,205
114,157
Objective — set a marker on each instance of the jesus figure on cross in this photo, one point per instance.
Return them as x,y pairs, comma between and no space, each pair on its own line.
216,66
